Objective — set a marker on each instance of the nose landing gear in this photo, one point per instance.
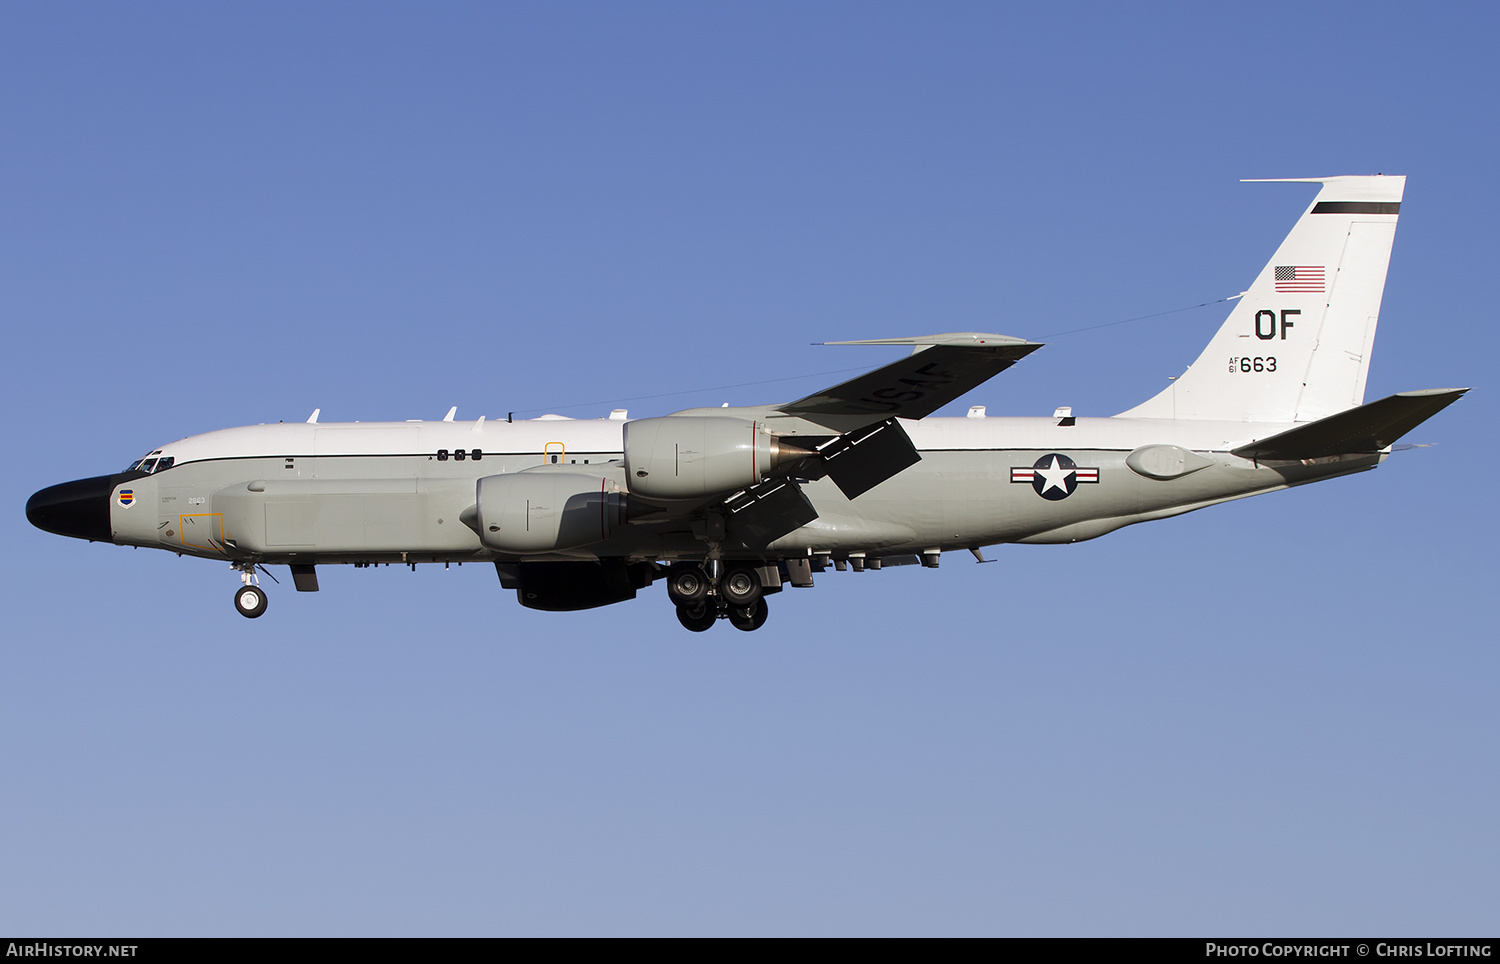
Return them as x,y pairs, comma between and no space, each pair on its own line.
250,600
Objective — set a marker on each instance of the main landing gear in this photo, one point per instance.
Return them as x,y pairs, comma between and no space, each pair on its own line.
702,615
737,596
250,600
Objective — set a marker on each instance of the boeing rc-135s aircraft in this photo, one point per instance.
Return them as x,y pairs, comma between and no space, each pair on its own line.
728,505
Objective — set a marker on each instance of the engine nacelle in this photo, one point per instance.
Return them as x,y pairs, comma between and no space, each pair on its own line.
546,511
691,456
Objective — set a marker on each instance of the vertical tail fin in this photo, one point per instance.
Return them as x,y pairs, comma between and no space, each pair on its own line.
1296,347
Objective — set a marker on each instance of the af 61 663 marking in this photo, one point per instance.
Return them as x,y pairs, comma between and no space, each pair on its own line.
1247,364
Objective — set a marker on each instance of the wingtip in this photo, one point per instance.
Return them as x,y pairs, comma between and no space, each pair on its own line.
961,339
1427,392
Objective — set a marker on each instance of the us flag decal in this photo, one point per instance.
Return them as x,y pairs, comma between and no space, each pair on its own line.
1292,278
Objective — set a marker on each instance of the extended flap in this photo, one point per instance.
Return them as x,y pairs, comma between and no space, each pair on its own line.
768,511
862,459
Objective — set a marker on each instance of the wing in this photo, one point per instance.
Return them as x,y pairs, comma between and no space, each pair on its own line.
942,368
866,444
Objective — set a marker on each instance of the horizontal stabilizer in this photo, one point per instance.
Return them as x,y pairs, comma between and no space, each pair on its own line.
1368,428
942,368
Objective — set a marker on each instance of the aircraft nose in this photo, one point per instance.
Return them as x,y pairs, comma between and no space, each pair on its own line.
79,509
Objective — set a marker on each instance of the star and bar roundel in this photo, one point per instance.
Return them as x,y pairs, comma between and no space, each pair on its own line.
1054,476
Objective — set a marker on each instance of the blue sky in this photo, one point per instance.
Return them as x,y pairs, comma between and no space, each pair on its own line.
1275,716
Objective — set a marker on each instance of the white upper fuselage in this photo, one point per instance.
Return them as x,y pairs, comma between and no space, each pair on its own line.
580,438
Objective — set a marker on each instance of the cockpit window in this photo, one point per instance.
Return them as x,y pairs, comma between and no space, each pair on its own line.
149,465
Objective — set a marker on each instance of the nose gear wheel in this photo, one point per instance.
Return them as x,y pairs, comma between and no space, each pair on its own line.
250,601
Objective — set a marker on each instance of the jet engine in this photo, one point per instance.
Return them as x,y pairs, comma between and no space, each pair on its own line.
547,511
691,456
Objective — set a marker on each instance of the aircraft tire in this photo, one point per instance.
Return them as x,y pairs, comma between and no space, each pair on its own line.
749,618
697,617
250,601
687,585
740,587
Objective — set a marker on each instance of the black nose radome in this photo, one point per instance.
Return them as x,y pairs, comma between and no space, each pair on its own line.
79,509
